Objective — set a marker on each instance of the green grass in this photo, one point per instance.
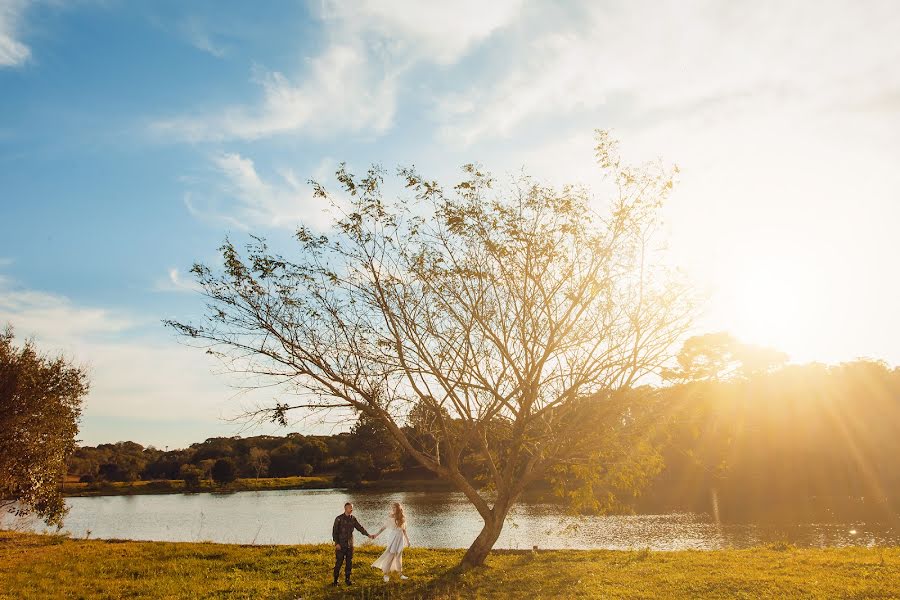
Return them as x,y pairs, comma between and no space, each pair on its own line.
45,566
177,486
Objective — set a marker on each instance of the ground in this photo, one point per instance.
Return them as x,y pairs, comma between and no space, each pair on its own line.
46,566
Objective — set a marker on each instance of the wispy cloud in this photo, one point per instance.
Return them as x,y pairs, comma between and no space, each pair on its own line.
352,85
435,32
135,372
198,34
340,92
55,318
13,52
175,281
242,198
655,61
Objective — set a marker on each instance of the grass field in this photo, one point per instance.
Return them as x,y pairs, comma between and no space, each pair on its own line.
45,566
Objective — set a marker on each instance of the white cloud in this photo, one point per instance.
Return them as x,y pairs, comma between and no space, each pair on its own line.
54,318
438,32
352,85
135,374
340,92
655,61
243,199
12,51
176,282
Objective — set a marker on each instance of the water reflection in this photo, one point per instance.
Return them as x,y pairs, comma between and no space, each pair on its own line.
437,519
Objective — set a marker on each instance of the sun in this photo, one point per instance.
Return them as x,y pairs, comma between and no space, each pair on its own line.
780,301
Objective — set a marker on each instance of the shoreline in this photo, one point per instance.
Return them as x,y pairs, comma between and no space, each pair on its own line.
177,486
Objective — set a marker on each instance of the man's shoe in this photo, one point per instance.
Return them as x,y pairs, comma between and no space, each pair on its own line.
348,582
335,583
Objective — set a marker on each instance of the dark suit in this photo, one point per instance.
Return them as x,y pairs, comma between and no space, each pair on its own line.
342,533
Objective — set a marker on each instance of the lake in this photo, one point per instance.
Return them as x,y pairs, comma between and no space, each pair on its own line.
436,519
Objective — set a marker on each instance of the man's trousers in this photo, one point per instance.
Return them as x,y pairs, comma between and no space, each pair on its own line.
345,553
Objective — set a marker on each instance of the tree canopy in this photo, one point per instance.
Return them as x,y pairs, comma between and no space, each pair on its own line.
503,316
40,404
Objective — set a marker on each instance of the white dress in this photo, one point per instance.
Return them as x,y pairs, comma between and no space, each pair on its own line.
392,557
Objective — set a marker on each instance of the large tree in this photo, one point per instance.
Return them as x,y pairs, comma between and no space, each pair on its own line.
720,356
40,404
512,316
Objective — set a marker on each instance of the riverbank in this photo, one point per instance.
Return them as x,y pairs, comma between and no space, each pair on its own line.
45,566
177,486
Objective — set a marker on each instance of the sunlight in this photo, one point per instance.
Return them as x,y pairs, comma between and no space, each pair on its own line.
778,300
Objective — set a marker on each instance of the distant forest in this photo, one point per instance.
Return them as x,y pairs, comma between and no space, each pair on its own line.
731,436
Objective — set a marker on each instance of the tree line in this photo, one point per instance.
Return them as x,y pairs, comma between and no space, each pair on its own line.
365,453
740,437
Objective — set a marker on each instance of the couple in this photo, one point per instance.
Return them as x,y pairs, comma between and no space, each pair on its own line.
390,560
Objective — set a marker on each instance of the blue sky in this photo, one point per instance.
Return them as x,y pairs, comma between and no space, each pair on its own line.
135,136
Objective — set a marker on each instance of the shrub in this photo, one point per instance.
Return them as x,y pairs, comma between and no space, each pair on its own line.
223,471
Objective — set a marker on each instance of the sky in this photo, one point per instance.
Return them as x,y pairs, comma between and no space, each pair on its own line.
134,137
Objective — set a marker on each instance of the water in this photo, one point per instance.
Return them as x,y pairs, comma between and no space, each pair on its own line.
436,519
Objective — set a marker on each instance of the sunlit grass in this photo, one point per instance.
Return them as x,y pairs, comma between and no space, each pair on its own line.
36,566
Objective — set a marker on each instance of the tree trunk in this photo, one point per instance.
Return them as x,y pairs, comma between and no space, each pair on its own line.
485,541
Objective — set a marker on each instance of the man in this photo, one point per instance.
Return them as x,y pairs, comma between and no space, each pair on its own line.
342,534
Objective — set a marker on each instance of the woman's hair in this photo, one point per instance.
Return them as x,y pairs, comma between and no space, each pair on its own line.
397,514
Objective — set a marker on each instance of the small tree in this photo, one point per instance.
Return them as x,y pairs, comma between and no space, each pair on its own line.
224,471
258,460
515,316
191,475
40,404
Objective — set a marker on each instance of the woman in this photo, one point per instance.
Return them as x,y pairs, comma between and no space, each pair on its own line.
392,558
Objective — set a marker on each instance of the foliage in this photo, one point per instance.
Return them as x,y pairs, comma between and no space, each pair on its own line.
509,313
612,477
129,461
783,437
116,472
40,404
354,469
370,437
761,440
190,475
720,356
223,471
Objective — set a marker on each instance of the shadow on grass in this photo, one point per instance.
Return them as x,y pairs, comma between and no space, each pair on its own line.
451,584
